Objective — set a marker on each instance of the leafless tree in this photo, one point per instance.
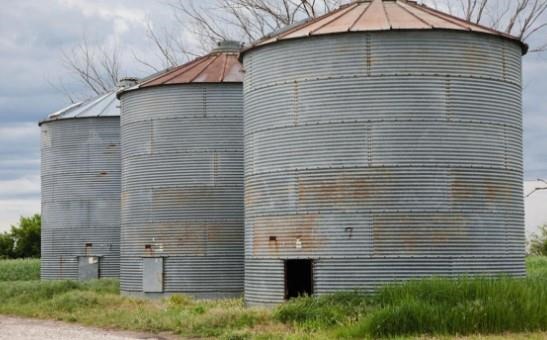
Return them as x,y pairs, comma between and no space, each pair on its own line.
245,20
520,18
210,22
170,47
98,69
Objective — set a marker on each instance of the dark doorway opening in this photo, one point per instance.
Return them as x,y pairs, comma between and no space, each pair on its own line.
298,278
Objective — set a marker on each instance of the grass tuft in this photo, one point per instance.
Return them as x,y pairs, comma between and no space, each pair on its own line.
19,270
325,311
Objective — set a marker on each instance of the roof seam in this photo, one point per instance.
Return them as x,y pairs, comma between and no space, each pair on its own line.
71,107
385,13
183,68
224,68
488,29
106,106
207,65
312,21
99,106
360,16
187,67
403,6
94,103
443,16
336,17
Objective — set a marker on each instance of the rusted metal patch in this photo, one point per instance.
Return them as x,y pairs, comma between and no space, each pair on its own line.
275,236
425,233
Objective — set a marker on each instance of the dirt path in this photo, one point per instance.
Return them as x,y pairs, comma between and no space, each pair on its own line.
29,329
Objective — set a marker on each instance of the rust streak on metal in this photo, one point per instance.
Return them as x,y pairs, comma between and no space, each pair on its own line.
339,191
407,232
287,230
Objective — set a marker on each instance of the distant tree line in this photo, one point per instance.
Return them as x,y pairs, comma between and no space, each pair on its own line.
23,240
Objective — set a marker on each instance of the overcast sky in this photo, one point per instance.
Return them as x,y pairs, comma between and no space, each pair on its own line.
33,34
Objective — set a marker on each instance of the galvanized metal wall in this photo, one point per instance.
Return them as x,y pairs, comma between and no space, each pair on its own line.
182,187
388,155
80,195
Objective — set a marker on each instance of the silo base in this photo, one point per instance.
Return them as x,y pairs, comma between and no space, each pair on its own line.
266,279
201,277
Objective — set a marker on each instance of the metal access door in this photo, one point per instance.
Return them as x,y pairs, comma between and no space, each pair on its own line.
152,278
88,268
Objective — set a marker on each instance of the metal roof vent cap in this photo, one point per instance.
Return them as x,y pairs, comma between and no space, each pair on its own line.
228,46
127,82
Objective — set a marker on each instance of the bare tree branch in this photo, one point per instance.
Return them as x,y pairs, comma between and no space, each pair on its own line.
520,18
537,188
245,20
59,86
96,68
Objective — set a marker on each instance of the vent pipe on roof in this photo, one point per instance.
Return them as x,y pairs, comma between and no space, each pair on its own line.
228,46
127,82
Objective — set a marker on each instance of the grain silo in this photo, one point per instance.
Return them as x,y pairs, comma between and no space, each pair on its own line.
383,141
182,180
80,172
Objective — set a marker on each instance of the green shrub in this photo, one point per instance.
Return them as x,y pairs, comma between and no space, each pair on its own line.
538,242
23,240
6,246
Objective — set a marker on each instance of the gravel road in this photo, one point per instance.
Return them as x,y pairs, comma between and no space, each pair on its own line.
27,329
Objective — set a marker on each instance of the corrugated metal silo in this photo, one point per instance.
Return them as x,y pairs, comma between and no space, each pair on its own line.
383,141
80,172
182,180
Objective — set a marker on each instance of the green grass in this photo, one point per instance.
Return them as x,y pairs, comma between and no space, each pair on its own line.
19,270
537,266
465,306
435,307
98,303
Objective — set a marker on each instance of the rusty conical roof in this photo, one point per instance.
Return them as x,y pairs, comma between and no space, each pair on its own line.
219,66
380,15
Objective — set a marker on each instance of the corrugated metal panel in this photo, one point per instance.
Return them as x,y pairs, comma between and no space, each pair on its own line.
80,195
380,15
182,187
384,161
105,105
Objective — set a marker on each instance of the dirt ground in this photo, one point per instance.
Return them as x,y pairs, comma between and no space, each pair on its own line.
28,329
